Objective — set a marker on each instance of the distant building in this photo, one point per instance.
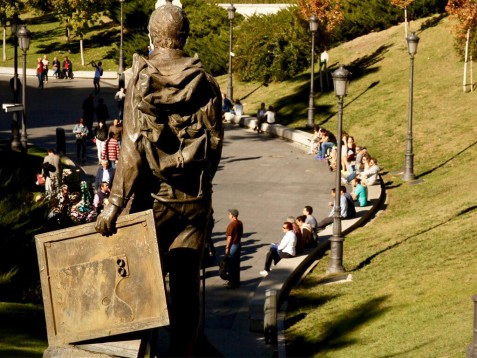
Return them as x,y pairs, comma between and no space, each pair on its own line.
256,9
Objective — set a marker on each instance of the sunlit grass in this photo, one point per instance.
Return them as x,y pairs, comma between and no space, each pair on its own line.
413,266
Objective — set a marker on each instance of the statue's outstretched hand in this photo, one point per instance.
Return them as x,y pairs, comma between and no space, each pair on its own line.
106,221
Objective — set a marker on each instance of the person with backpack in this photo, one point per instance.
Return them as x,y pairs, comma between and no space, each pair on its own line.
97,75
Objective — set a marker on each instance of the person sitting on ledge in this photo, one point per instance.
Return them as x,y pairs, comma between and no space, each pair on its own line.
284,250
343,210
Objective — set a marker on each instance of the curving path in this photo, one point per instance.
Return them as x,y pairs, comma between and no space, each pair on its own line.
265,178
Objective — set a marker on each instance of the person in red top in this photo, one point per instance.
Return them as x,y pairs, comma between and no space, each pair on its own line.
40,68
232,247
111,150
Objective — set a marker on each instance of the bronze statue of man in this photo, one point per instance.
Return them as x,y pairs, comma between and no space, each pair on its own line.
171,148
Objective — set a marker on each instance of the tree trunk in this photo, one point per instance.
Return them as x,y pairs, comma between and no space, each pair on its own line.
4,43
465,60
81,50
405,22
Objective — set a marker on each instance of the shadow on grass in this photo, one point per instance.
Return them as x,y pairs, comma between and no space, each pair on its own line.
445,162
369,259
432,22
297,106
336,334
23,330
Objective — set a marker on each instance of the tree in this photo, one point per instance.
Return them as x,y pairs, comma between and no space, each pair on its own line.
465,11
272,47
8,9
403,5
78,16
328,12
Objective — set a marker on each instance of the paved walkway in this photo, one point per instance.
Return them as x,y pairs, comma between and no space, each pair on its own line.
265,178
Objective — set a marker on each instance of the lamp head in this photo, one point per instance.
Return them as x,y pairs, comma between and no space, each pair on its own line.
24,36
313,21
231,12
412,41
341,81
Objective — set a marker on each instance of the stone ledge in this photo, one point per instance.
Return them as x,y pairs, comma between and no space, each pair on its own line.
289,271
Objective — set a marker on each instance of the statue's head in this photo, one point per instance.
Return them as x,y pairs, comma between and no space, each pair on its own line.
168,27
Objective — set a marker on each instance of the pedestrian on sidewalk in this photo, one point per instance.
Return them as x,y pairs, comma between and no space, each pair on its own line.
81,133
46,65
88,111
111,150
100,136
97,75
40,72
119,97
233,246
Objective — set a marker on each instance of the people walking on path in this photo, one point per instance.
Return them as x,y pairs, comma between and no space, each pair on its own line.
88,111
117,130
81,133
111,150
67,68
46,65
102,112
100,136
40,68
119,98
98,72
233,246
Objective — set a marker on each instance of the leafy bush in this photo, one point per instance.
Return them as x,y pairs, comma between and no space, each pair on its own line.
272,48
20,219
375,15
209,34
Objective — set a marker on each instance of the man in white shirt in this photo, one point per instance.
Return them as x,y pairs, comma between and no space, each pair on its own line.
285,249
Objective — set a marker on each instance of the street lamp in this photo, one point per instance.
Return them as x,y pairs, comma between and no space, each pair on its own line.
412,41
231,15
340,82
15,145
24,35
313,20
121,53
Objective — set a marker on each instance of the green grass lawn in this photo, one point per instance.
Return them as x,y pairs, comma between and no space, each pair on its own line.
48,38
23,330
414,265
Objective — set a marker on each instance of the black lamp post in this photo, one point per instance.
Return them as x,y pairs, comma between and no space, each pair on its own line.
412,41
313,20
231,15
15,145
24,35
340,82
121,52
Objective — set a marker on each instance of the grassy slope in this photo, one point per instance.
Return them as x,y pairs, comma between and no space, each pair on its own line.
48,37
414,266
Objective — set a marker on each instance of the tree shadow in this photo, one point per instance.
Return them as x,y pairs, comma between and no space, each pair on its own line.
359,68
432,22
446,161
337,333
